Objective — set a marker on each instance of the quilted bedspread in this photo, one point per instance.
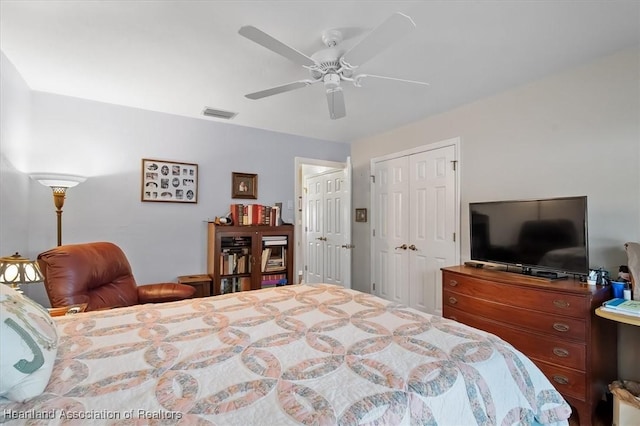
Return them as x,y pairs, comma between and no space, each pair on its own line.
297,354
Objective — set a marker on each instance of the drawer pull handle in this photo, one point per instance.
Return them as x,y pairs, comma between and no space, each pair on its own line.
561,303
562,353
453,283
453,300
561,379
558,326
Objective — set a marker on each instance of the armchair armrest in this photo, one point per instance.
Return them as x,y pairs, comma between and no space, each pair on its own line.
164,292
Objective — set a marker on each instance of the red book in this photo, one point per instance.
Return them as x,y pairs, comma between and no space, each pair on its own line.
255,214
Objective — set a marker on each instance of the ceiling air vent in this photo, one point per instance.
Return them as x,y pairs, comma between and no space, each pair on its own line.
218,113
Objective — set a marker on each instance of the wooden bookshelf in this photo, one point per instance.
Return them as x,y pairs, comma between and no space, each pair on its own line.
247,257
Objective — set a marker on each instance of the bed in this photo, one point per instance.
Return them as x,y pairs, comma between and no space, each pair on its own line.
300,354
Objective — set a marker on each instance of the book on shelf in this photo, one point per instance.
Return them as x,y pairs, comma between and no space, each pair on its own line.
277,259
227,286
273,276
245,283
275,268
254,214
234,284
275,215
234,262
266,253
275,242
272,280
622,306
235,242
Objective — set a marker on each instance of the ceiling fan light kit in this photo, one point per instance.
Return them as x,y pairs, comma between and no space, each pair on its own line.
332,65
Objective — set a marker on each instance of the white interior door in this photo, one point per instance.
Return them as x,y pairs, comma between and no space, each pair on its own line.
328,228
314,229
391,227
337,259
347,245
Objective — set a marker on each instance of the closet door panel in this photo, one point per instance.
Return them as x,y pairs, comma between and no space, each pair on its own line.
420,289
392,227
441,217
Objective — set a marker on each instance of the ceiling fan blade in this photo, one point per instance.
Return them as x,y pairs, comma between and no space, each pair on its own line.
383,36
280,89
264,39
357,78
335,100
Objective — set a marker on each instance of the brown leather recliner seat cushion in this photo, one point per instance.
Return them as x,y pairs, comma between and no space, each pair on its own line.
100,275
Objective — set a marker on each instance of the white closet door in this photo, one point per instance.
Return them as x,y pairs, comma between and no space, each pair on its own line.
391,204
432,223
414,203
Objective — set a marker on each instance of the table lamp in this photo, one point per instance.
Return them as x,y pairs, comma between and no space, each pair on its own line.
16,270
59,184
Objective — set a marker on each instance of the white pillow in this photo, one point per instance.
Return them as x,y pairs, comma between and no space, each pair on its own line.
28,347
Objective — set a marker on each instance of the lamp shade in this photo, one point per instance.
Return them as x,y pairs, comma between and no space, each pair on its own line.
54,180
59,184
16,270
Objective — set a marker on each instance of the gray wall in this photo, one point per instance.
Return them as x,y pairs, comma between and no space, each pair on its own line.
15,118
106,143
574,133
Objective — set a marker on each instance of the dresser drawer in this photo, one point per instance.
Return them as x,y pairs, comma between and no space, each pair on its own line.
535,346
518,295
552,324
565,380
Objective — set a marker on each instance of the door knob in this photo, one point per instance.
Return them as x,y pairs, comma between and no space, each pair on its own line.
413,247
321,238
403,247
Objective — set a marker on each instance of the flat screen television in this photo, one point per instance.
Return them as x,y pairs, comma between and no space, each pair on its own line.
546,237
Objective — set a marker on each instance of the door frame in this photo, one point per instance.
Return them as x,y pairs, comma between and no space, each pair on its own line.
305,166
456,143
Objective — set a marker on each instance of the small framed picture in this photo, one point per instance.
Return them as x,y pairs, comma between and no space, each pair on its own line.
361,215
244,185
169,181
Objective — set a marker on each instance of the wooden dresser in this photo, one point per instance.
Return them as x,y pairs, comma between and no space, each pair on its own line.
552,322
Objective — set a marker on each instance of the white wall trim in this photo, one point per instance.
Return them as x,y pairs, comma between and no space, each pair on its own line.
428,147
299,162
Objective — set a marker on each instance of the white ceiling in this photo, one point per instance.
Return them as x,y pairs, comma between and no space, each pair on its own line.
180,56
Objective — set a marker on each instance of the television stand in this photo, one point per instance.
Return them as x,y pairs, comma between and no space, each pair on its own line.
544,274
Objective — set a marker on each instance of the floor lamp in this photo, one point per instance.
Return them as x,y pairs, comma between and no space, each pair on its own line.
59,184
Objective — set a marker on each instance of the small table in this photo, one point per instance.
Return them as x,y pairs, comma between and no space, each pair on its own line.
623,413
201,282
626,319
67,310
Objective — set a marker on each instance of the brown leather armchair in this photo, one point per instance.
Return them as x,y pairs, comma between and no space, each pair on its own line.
100,275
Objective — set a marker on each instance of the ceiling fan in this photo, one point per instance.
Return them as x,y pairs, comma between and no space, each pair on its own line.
333,65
